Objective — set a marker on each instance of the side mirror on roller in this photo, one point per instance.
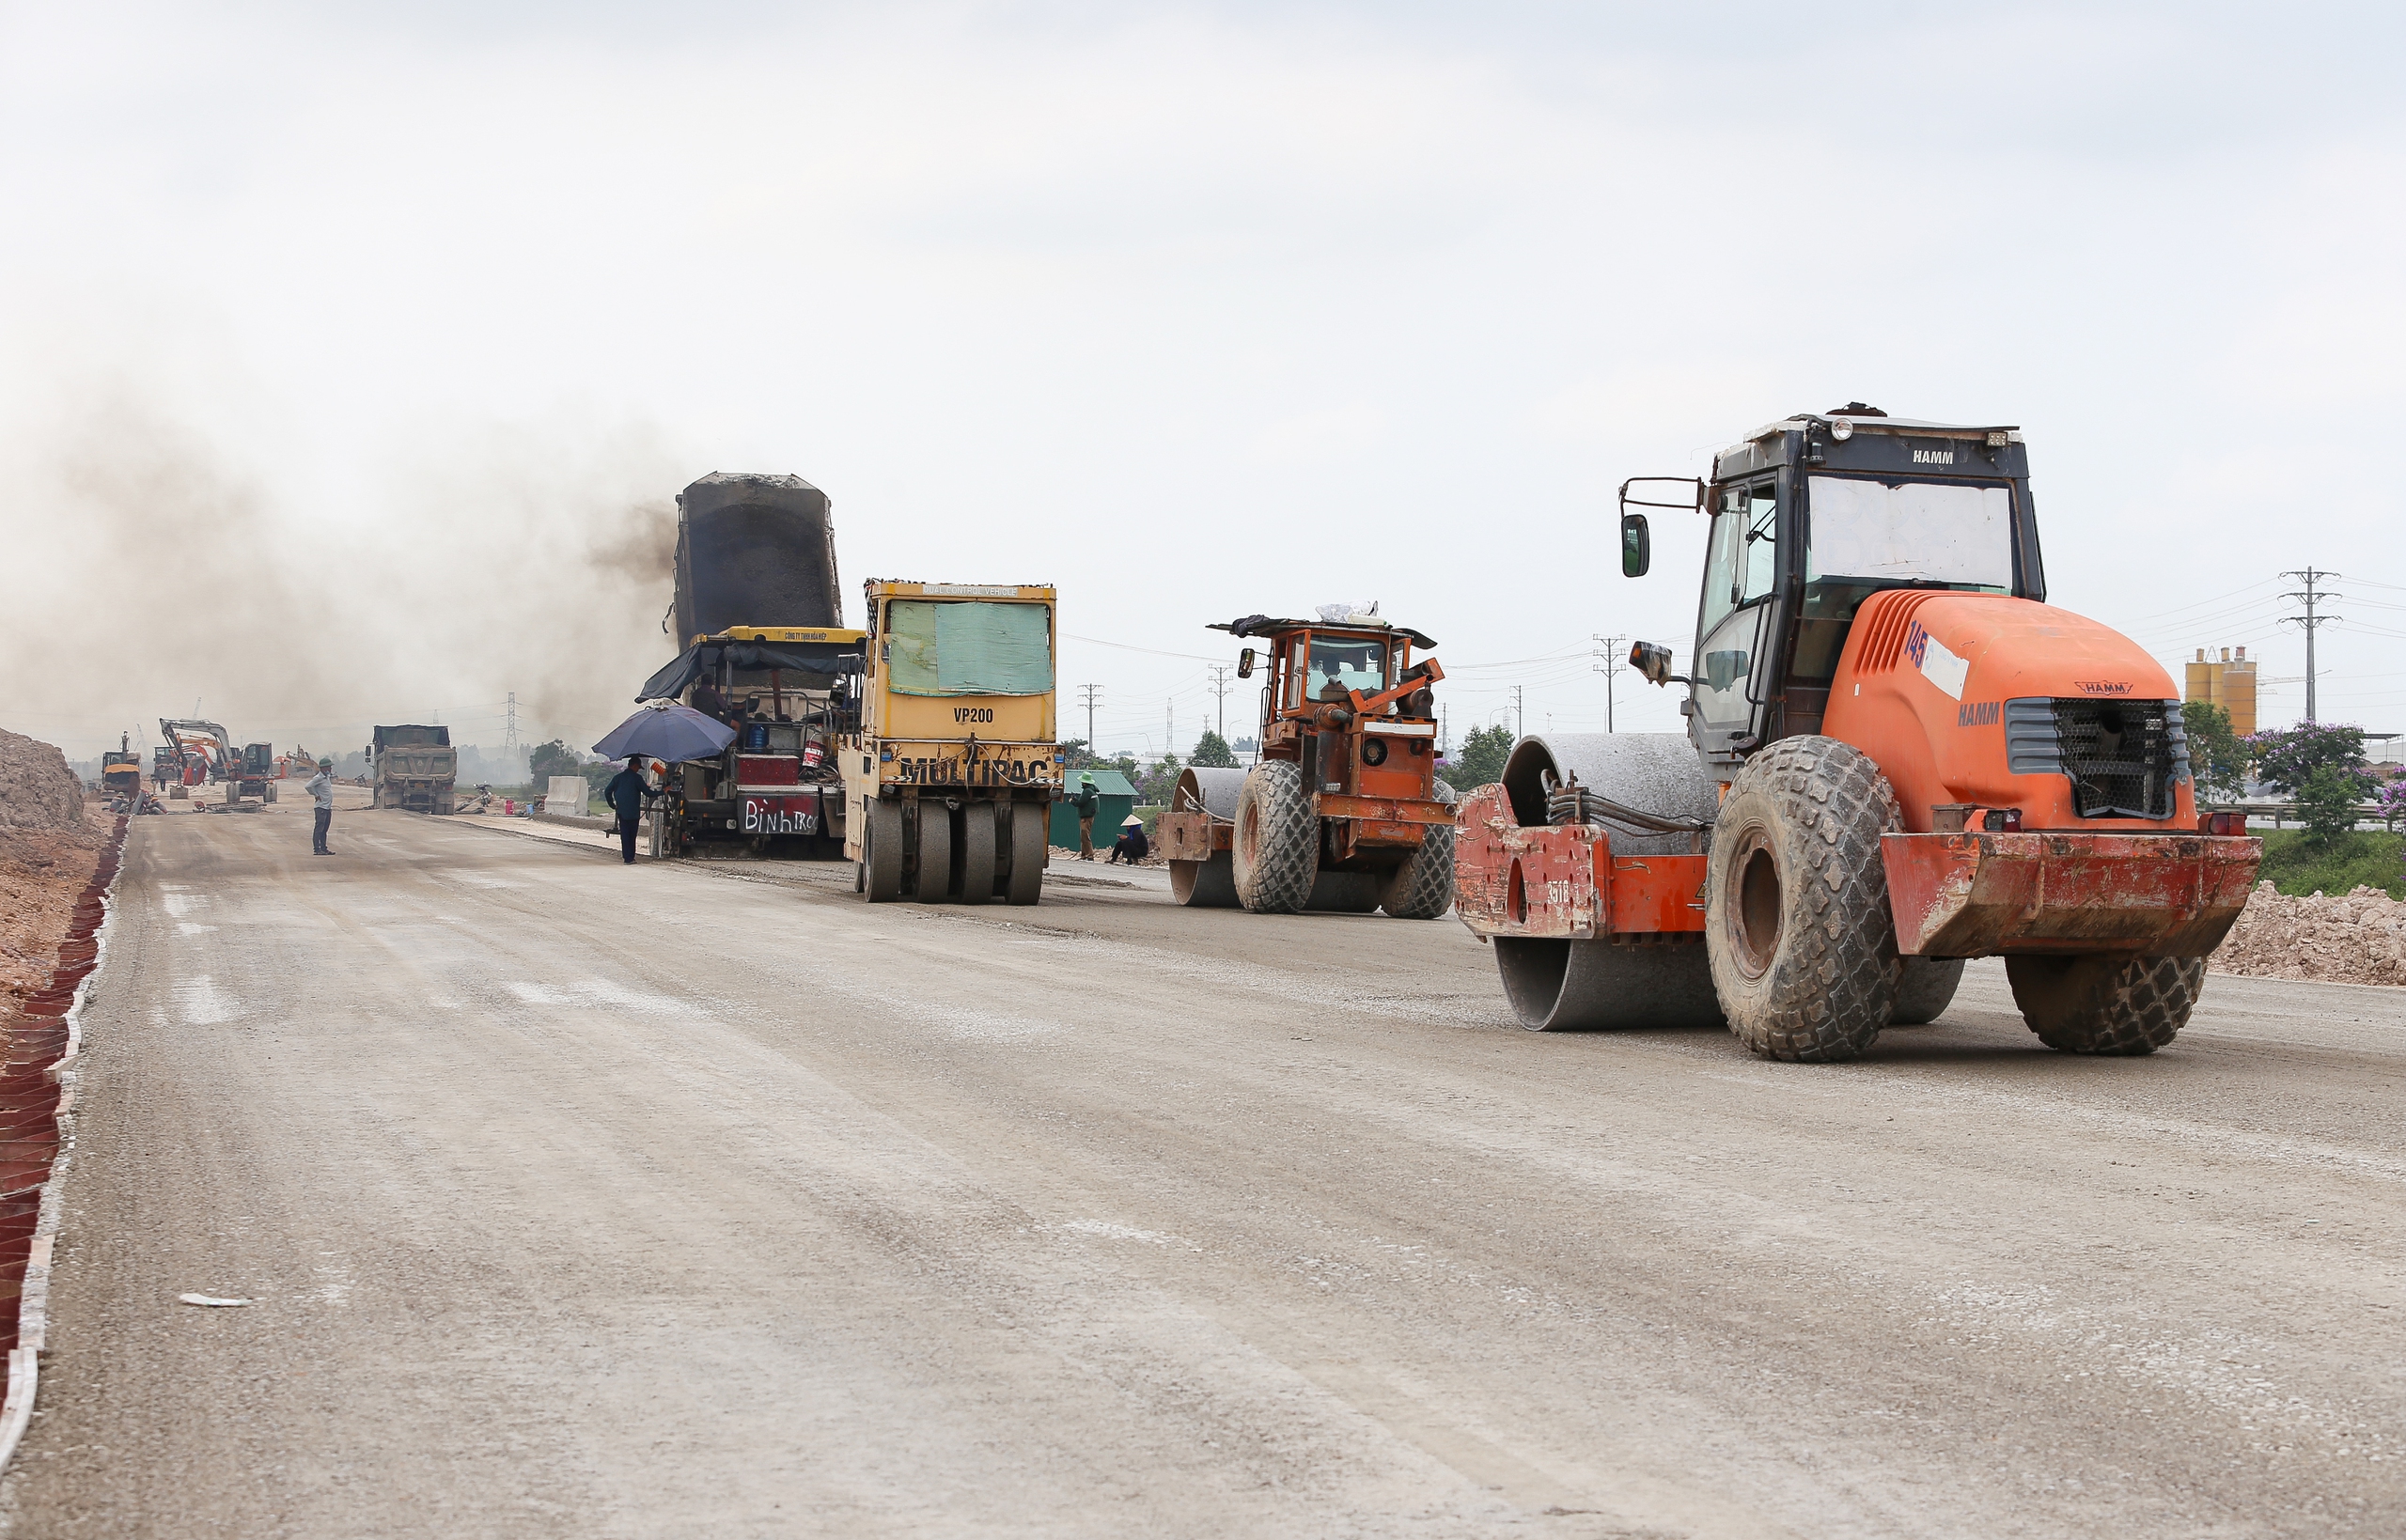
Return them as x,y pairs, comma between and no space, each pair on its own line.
1244,664
1637,546
1654,662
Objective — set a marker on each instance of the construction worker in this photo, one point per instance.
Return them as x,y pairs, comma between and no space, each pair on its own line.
626,794
322,792
1133,846
1087,801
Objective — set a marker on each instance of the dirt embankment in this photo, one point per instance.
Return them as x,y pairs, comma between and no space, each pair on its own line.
2357,938
48,848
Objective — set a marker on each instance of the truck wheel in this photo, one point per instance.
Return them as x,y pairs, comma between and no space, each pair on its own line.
882,852
1796,918
1924,991
935,853
1027,881
977,854
2104,1005
1561,985
1274,855
1423,888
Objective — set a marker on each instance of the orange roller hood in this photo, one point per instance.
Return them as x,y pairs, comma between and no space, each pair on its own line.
1922,685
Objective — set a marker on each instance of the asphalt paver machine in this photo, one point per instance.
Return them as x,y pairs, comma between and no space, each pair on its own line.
1898,757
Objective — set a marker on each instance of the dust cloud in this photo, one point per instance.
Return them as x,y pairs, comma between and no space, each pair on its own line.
150,568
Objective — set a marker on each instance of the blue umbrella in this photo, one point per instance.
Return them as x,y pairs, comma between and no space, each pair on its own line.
670,733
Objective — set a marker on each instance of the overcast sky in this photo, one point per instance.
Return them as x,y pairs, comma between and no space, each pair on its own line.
349,361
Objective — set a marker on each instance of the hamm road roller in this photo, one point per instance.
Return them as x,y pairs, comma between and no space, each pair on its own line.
1897,757
1344,812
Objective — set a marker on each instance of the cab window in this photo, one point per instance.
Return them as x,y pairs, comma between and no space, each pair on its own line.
1345,663
1741,565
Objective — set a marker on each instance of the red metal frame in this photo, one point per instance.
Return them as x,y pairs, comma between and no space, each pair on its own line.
1565,882
1979,894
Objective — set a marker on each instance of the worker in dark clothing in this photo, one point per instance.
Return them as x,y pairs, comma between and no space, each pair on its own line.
627,793
1133,846
1087,800
709,700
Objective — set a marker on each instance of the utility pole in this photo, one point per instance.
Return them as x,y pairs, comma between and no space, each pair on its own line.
1610,653
1169,728
1220,688
1092,691
2312,594
510,734
1519,721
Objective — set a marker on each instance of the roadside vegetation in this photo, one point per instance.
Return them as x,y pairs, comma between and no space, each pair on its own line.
2297,862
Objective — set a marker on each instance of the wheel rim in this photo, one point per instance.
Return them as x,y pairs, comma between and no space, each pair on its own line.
1753,905
1249,833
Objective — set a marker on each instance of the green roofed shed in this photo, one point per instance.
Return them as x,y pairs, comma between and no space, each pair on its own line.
1118,799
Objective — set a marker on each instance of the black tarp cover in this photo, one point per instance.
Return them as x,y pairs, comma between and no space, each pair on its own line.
816,664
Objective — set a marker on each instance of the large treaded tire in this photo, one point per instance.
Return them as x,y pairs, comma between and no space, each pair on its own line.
1276,853
1803,952
1925,989
2110,1006
1423,887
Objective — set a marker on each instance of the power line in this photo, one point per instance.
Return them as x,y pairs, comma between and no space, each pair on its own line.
1608,652
2311,595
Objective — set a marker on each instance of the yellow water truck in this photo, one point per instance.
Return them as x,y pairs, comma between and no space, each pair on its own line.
949,781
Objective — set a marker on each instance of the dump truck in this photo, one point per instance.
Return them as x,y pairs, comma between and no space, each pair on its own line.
950,774
1898,757
253,772
1344,811
412,767
753,551
790,693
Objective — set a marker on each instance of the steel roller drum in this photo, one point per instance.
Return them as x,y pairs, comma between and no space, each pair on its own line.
1559,985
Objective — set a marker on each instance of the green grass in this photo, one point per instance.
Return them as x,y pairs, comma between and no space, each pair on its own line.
2297,865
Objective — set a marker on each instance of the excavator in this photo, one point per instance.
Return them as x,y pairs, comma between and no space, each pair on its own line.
1898,757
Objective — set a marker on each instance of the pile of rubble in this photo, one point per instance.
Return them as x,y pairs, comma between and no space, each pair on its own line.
49,849
2359,937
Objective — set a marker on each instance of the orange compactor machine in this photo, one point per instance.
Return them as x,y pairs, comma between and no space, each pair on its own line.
1897,757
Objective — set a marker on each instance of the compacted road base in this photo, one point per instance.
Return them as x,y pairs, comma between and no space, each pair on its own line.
576,1199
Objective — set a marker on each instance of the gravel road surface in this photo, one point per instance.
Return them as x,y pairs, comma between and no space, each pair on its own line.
582,1200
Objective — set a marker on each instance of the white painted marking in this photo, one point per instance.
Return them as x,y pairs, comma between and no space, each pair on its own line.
204,1004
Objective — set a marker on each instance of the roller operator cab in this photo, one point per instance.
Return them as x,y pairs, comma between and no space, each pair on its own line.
950,774
1898,757
1344,811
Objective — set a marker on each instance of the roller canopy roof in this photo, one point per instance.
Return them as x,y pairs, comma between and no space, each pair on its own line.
1262,625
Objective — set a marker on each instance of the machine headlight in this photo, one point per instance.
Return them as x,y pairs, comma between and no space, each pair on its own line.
1841,429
